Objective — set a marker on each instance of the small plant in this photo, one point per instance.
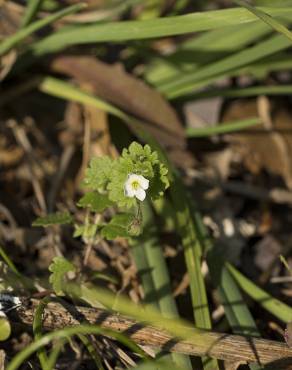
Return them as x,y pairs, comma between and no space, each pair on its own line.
113,203
118,184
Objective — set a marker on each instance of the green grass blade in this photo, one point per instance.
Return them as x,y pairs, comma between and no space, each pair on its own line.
160,27
236,310
157,264
37,330
160,275
193,255
95,296
20,35
30,11
223,128
213,71
62,334
277,308
144,272
10,263
202,49
92,351
48,362
273,23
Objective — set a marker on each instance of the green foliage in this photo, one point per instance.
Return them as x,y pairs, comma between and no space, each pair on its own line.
124,225
98,174
141,161
59,268
53,219
106,175
95,201
87,231
106,178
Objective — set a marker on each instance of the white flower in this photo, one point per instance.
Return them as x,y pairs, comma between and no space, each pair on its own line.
135,186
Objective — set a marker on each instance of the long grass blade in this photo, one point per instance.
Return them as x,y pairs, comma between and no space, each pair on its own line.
220,69
223,128
62,334
202,49
159,27
273,23
277,308
30,11
20,35
160,275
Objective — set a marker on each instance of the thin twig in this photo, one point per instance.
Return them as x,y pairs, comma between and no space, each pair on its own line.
224,346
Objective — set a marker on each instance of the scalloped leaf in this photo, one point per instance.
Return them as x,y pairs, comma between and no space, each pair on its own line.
95,201
99,173
54,219
59,268
121,225
111,232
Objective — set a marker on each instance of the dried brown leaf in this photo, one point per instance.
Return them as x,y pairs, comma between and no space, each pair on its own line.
115,85
261,148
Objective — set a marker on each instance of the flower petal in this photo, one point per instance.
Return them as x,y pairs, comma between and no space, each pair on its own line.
140,194
144,182
128,188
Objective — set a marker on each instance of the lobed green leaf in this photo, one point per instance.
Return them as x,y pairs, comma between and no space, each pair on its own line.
53,219
59,268
95,201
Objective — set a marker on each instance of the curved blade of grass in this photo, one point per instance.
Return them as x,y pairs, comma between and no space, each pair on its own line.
20,35
159,27
16,276
277,308
223,128
95,296
18,360
30,11
202,49
48,362
9,263
213,71
273,23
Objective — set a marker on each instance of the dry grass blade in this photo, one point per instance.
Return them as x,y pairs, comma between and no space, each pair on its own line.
226,347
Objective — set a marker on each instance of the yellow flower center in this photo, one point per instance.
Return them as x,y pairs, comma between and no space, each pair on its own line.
135,185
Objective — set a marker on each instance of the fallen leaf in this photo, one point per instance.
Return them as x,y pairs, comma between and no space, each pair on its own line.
113,84
261,148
